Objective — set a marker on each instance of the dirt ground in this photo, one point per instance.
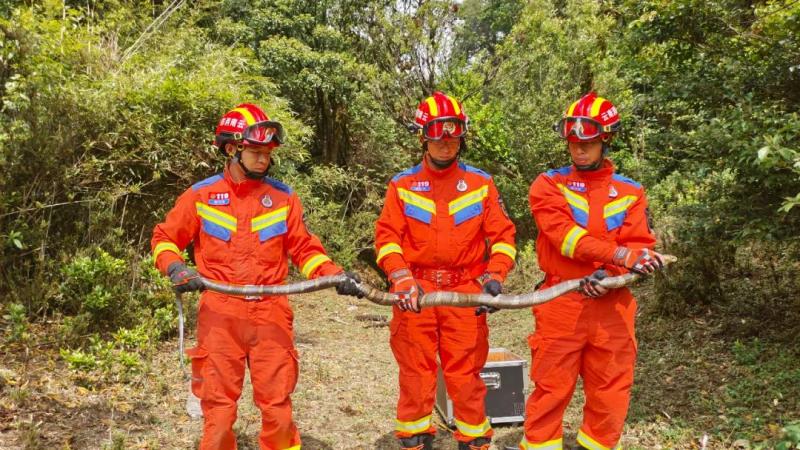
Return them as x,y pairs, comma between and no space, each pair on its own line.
344,400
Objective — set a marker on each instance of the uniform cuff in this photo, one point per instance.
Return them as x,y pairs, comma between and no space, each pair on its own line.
165,259
393,262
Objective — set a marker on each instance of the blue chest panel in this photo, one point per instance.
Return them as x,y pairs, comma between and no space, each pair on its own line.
468,213
215,230
418,213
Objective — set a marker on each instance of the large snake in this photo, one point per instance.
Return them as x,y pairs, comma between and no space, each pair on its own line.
439,298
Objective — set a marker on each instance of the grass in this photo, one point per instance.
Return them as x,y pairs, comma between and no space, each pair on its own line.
690,381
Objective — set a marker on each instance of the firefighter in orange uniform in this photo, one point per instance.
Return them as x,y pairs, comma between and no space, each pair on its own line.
243,225
443,228
592,223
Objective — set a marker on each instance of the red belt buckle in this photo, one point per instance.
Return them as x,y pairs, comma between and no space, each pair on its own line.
441,278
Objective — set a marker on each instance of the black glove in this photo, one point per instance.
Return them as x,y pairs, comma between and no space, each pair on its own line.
184,279
590,285
492,287
350,285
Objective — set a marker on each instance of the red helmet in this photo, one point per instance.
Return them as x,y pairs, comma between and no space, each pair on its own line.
247,124
441,114
589,118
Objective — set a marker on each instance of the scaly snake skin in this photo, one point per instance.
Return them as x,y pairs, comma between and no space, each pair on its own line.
440,298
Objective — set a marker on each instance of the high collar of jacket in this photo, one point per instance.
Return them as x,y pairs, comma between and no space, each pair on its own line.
433,172
241,187
603,173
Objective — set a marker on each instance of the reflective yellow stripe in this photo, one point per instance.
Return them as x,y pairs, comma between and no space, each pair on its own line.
271,218
617,206
591,444
296,447
456,108
417,200
312,263
574,199
506,249
473,430
468,199
165,246
555,444
432,107
572,108
248,117
416,426
391,247
598,102
571,241
215,216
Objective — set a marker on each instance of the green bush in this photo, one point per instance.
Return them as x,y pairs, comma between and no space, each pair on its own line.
17,328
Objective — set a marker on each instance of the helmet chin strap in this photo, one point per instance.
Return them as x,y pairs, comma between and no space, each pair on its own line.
597,164
247,172
443,164
439,164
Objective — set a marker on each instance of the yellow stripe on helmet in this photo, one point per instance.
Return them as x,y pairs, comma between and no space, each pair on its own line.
572,108
248,116
456,108
432,106
598,102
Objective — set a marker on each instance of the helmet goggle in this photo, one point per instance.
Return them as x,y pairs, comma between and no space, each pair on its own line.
262,133
583,128
436,129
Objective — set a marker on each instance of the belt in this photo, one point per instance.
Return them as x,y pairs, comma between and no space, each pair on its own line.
442,278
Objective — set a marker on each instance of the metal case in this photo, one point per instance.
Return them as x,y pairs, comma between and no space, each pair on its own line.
506,380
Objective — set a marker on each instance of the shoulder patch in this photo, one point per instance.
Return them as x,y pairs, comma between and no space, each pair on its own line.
207,182
470,169
622,179
566,170
277,185
408,172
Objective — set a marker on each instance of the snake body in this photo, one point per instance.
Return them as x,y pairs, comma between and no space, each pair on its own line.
439,298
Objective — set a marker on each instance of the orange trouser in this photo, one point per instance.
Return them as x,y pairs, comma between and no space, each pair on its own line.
232,333
461,340
593,338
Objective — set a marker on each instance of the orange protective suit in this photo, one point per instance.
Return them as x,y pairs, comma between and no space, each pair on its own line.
242,233
582,217
447,227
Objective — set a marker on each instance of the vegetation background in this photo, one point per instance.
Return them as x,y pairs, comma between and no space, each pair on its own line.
108,109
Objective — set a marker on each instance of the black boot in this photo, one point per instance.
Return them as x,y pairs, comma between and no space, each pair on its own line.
417,442
481,443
